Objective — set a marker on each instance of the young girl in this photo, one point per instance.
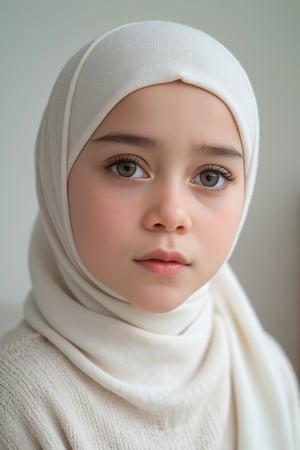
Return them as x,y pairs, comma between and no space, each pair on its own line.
137,334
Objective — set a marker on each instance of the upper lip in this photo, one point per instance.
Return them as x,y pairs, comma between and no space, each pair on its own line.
166,256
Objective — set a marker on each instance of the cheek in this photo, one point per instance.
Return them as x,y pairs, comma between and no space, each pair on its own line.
98,221
222,224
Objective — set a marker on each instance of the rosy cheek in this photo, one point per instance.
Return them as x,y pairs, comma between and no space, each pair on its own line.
104,216
221,225
229,219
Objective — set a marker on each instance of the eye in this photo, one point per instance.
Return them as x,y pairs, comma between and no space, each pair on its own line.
127,166
214,178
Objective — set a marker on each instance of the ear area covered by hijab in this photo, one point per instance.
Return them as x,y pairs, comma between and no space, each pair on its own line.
212,346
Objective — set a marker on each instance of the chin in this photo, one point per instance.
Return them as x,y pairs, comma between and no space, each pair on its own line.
159,302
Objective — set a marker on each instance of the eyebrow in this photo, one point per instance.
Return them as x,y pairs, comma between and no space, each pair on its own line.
129,139
221,151
147,142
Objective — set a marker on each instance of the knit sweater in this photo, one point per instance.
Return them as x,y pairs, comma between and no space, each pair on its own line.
46,402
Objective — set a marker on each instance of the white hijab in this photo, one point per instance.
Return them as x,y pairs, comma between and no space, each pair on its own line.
211,347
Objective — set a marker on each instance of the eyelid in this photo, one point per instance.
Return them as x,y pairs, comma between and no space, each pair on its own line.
125,157
217,168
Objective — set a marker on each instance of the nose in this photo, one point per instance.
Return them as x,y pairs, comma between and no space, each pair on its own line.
167,211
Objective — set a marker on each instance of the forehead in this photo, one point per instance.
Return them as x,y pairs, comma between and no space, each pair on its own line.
173,109
162,95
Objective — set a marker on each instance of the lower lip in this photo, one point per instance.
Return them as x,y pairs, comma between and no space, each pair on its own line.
162,267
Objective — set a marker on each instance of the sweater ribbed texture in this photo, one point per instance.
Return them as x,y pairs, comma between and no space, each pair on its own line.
47,403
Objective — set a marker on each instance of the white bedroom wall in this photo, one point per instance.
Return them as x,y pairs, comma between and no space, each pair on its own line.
37,37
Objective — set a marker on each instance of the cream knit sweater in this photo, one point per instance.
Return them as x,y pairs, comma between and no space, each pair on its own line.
47,403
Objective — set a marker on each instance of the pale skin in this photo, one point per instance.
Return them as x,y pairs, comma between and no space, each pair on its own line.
156,194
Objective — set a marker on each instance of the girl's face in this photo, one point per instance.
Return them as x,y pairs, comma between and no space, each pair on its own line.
156,194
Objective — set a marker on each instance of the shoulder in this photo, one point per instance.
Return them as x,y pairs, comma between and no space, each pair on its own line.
46,401
16,339
19,351
30,369
23,353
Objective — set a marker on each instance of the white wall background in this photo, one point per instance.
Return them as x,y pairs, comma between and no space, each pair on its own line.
37,37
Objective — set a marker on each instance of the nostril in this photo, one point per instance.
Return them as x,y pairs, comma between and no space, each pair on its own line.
160,226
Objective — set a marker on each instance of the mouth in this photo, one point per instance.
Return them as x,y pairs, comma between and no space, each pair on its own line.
163,262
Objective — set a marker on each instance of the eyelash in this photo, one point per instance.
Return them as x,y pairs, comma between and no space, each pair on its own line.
221,171
126,158
139,162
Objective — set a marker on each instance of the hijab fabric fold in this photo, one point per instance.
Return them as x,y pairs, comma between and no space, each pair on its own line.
212,347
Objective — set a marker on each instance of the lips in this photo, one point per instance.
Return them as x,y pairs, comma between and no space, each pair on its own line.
163,262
